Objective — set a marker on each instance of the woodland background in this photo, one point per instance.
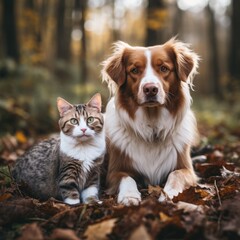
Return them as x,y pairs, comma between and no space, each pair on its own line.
51,48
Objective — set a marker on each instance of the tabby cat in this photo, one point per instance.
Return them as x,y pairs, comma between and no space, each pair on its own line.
67,167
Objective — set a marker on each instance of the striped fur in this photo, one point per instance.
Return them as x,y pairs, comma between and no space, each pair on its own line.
68,167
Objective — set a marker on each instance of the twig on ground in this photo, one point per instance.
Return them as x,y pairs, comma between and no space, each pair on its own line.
220,204
217,191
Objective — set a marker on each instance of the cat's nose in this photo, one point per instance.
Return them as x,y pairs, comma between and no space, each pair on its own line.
83,130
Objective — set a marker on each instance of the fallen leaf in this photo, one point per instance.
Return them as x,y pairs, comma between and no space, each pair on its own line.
64,234
5,196
227,173
206,170
100,230
189,207
154,190
195,195
164,217
140,234
21,137
30,232
17,211
227,192
230,211
218,154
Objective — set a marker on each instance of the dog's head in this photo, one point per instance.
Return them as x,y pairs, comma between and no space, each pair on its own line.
150,76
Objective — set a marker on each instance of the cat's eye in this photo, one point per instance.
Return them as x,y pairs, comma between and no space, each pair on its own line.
74,121
90,119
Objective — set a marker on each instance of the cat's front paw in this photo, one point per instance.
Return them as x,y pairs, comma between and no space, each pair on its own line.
72,201
91,199
90,194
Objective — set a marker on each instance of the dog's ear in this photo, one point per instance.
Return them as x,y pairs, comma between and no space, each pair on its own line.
186,61
113,67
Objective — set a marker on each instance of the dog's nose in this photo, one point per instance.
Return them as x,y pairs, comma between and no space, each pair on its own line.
150,89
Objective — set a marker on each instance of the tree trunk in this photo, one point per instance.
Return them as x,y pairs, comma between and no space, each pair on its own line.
10,30
234,62
177,23
214,56
157,16
63,30
82,5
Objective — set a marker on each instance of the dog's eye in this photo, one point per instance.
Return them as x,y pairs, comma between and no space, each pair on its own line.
73,121
134,70
164,69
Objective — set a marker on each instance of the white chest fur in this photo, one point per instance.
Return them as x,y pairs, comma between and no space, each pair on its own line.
85,152
153,158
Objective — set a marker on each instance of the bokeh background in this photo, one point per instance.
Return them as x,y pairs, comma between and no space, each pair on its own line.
51,48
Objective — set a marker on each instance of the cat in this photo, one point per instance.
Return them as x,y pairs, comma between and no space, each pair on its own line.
67,167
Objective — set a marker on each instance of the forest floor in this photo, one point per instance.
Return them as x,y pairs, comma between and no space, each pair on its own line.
210,210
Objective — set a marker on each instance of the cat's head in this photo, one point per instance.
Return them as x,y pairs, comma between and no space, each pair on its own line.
83,121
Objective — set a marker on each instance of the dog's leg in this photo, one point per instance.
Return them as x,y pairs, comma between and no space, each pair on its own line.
177,181
128,192
180,179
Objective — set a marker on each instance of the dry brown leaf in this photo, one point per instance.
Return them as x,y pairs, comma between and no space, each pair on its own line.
21,137
210,169
64,234
100,230
228,191
154,190
189,207
31,232
140,234
5,196
51,206
164,217
194,195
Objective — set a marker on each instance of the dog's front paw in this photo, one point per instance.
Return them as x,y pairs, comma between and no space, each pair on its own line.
128,192
129,198
168,195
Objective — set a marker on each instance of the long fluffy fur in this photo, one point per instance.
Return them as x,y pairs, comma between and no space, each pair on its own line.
153,149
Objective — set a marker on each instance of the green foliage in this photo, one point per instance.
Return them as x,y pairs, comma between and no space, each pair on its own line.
5,178
218,120
28,97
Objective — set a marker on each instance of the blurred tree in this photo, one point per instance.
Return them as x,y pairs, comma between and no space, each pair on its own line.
177,20
115,32
64,29
234,66
214,75
157,17
81,5
29,4
9,30
42,8
30,32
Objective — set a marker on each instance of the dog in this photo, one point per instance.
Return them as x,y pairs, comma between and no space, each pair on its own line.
150,127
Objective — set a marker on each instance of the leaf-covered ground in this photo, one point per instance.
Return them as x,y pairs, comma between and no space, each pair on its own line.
211,210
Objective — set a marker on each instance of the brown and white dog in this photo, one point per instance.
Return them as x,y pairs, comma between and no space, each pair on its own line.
149,124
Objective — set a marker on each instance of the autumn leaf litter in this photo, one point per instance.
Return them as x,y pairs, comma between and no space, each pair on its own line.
210,210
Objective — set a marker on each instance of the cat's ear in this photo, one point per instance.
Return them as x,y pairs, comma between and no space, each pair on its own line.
63,106
96,102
